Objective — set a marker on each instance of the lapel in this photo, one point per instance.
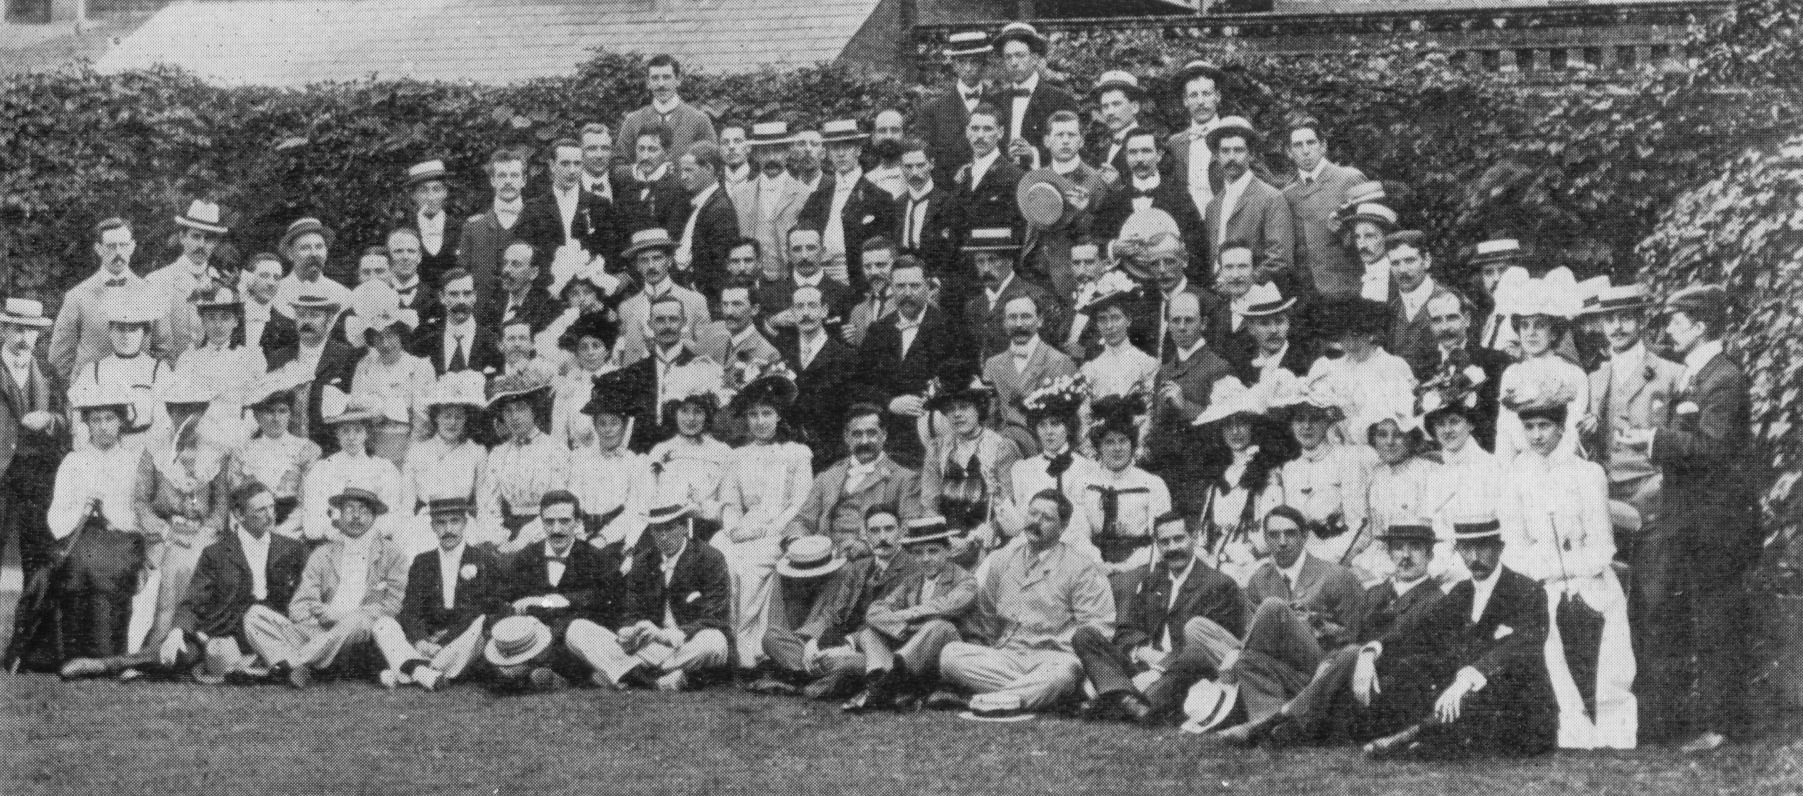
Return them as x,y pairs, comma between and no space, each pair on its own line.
241,562
14,393
1637,379
879,475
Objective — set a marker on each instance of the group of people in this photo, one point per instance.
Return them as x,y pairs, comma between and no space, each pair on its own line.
964,412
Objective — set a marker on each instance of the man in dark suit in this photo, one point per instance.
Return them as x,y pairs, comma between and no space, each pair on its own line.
267,324
848,209
452,592
1411,289
209,621
1453,354
1248,209
417,293
332,361
437,231
901,353
1267,315
1046,253
805,270
1689,595
1142,186
923,213
983,197
1471,677
674,633
33,434
993,251
522,298
1168,259
1192,159
649,194
670,349
485,235
1027,100
711,229
941,118
825,368
572,588
1118,96
454,341
1155,627
563,213
1186,382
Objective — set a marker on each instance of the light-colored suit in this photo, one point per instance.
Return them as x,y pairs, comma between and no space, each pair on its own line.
831,508
770,226
80,333
1632,394
635,322
1262,219
1313,205
301,638
1012,385
714,341
1177,148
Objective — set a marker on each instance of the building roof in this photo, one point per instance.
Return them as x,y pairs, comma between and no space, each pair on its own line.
289,43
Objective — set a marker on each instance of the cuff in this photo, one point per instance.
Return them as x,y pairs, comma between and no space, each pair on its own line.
1376,648
1473,679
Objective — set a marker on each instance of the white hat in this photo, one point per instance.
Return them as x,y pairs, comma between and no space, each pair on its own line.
203,216
1208,705
24,312
376,305
1555,294
997,707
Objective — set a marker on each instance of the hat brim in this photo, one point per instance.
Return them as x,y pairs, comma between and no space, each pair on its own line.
1035,42
1353,218
946,536
1192,72
1495,257
632,252
1227,699
758,142
1259,312
20,320
1041,198
324,232
1214,136
1409,536
966,52
202,226
977,397
845,138
541,641
416,180
529,394
990,247
375,503
1005,717
788,570
1121,85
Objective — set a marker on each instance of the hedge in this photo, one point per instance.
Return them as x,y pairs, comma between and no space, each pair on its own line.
1581,170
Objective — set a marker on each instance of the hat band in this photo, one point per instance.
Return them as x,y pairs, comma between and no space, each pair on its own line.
812,563
511,648
1265,308
1621,303
1485,528
1409,530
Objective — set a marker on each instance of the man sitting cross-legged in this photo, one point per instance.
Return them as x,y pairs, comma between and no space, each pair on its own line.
1132,672
905,630
678,613
349,583
565,587
451,592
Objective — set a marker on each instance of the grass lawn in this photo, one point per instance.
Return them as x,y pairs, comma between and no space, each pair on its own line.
354,737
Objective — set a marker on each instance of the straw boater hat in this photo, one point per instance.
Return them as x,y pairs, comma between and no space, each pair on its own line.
516,640
966,44
1208,704
770,134
646,240
336,407
1706,301
1620,298
358,493
1116,79
1200,68
1020,31
311,299
1374,212
428,171
1477,525
664,515
922,530
992,239
203,216
1266,299
1416,531
304,226
1232,125
842,131
1043,196
998,706
450,505
810,557
1496,250
24,312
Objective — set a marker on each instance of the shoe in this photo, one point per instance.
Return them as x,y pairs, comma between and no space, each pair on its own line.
1285,733
245,677
907,702
300,677
134,673
389,678
83,667
859,703
1133,708
676,681
1249,733
543,679
947,700
428,678
1393,745
1707,742
768,685
639,677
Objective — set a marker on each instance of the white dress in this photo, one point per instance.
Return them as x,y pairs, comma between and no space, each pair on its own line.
1557,531
227,371
571,391
1379,387
760,492
1332,478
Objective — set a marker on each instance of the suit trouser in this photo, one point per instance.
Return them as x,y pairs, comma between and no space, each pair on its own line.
1643,494
1276,660
753,568
600,648
1039,677
451,660
27,485
919,654
279,639
788,654
1676,611
1108,667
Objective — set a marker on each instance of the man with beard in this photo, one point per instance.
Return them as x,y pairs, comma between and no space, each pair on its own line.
1156,624
202,229
1250,211
1412,334
924,212
1634,389
1186,384
823,370
306,244
877,259
984,191
437,232
403,269
651,253
267,324
770,201
487,234
650,192
687,124
852,211
1027,100
735,338
315,353
1145,187
887,133
901,353
943,115
1047,251
1021,366
1191,154
1317,193
451,594
711,227
992,252
454,341
1365,229
807,160
1453,357
843,494
906,629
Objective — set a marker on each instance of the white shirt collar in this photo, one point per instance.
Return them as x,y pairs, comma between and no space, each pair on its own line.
1313,176
1262,361
1421,293
1028,85
981,166
456,553
1027,351
665,108
843,183
808,281
1404,587
1148,185
1239,186
707,193
1700,356
1481,591
1184,354
1000,289
1293,573
1068,167
1633,356
965,91
922,194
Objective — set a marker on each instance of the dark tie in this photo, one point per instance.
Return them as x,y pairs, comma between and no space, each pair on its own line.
1019,93
1056,465
458,360
116,282
911,235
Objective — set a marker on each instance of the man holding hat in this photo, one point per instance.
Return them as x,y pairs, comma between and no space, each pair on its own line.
1058,202
1027,99
306,244
769,204
674,629
428,191
1250,210
1634,389
1143,185
854,210
942,117
451,593
80,335
354,579
201,231
1690,566
813,612
34,434
1315,196
905,629
572,589
983,194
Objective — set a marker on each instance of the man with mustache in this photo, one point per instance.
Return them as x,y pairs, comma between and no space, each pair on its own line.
487,234
877,258
522,299
735,338
924,211
806,269
265,324
1143,185
1131,672
436,232
307,244
79,335
770,201
823,370
992,252
942,116
452,592
202,229
653,253
1023,364
1249,210
848,209
843,494
319,358
1319,190
454,341
1633,389
1412,335
902,352
888,132
984,191
576,590
1364,227
1453,357
906,629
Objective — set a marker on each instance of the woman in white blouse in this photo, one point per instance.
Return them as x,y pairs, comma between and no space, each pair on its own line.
1248,458
689,466
1057,466
1365,382
1556,520
352,465
588,341
765,484
223,361
275,456
446,464
1542,321
391,381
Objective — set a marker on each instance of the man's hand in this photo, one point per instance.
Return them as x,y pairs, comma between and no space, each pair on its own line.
1171,393
427,648
810,656
674,637
1364,678
1635,437
907,405
1019,148
37,421
1452,701
1109,174
1587,424
171,648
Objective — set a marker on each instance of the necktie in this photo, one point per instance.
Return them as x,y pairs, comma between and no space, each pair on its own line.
910,234
458,360
116,282
1056,465
1111,506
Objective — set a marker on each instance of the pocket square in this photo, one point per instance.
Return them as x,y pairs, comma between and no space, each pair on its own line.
1688,408
693,596
1502,632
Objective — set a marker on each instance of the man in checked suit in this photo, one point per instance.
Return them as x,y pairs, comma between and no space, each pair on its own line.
451,594
1155,625
942,117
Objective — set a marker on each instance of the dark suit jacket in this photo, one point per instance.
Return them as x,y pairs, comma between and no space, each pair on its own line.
1098,150
1206,593
716,232
538,311
591,582
1328,590
699,594
940,122
424,301
1170,196
479,249
1428,365
823,391
988,204
423,614
433,265
884,373
938,249
868,212
1146,317
984,323
1333,267
645,430
220,593
660,204
1710,501
1172,445
17,400
278,334
774,297
1047,99
485,346
1413,340
1381,610
541,225
337,364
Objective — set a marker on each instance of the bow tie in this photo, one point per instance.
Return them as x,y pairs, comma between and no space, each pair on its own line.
1020,93
1056,465
562,559
116,282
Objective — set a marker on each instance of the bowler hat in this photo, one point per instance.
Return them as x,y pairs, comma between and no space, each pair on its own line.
449,505
842,131
1408,532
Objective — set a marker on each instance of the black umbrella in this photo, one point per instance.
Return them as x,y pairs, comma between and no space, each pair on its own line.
1580,632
